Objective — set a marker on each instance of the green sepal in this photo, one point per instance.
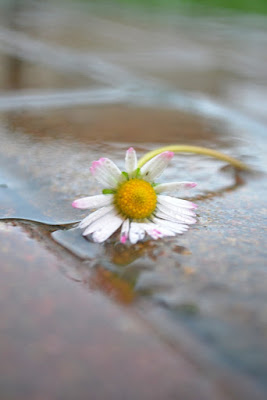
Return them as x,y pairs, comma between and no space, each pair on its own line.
125,174
137,172
108,191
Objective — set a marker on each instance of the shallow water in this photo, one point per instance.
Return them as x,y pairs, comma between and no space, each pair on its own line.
93,85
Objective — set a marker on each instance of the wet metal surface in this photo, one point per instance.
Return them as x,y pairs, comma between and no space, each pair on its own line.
60,342
100,319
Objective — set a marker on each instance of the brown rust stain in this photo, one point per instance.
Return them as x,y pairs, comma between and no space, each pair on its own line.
115,123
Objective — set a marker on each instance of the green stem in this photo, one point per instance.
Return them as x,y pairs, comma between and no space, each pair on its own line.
193,149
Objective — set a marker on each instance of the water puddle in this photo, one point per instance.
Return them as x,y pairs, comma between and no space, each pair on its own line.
24,196
46,171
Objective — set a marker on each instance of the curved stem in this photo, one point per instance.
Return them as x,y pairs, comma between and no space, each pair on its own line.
193,149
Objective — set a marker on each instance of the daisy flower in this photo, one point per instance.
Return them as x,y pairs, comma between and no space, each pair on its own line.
133,201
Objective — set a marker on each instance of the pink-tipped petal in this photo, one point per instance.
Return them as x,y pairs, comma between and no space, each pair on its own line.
161,231
174,186
156,231
130,161
106,172
123,239
125,231
191,184
154,168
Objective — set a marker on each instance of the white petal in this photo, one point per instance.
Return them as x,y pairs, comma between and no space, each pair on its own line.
166,200
174,186
130,161
104,170
136,232
98,201
107,230
94,216
107,181
102,175
100,222
156,166
175,209
125,231
170,216
156,231
165,231
173,226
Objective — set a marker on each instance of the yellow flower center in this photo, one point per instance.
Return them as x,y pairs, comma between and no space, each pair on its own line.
136,199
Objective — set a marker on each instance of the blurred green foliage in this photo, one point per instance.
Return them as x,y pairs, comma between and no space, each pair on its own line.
244,6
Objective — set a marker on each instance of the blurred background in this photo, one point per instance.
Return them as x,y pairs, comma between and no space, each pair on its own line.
198,48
